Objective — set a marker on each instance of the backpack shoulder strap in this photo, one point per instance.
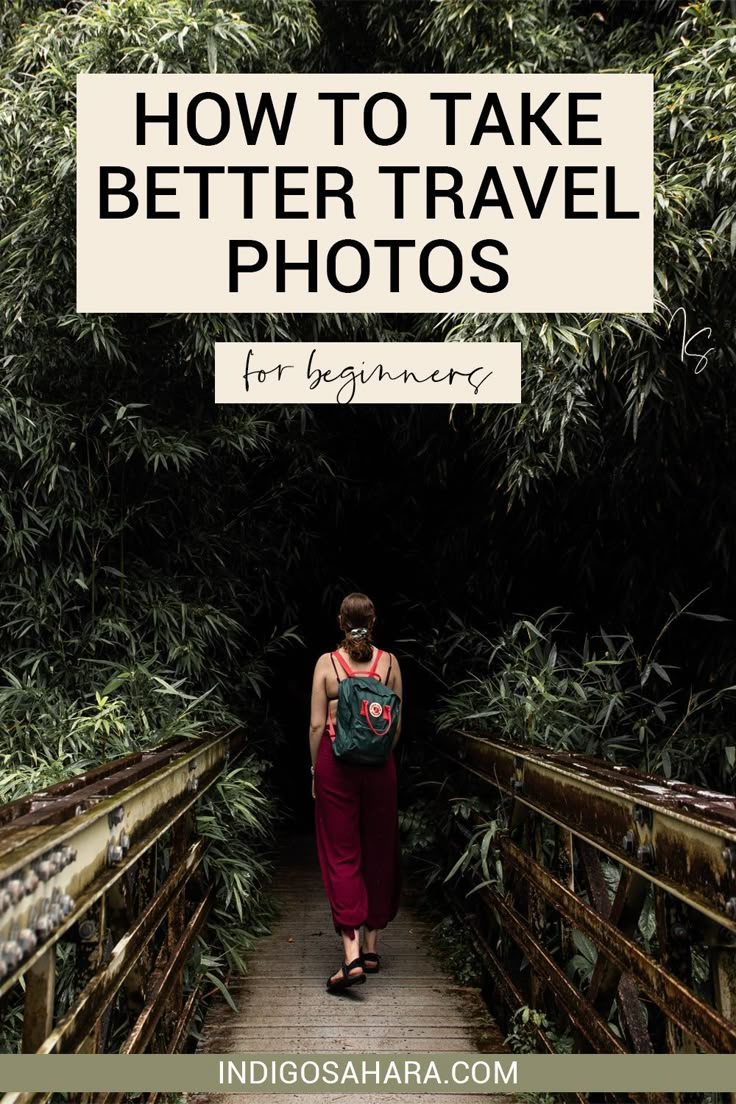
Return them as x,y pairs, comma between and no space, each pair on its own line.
373,673
390,665
343,664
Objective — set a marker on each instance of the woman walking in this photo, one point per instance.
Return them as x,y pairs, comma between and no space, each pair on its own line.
356,813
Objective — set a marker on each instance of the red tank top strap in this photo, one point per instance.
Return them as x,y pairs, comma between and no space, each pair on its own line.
373,671
343,664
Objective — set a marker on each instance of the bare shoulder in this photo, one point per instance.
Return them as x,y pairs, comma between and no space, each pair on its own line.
322,663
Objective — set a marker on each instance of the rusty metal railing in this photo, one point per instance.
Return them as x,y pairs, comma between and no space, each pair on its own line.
109,862
572,820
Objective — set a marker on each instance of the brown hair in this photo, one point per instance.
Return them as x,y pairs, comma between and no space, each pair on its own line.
357,612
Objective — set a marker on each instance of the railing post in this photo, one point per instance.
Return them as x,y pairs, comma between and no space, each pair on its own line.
38,1009
625,912
536,910
121,913
181,836
566,874
723,970
723,975
674,937
90,956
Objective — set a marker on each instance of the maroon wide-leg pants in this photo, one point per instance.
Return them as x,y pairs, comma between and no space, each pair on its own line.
356,818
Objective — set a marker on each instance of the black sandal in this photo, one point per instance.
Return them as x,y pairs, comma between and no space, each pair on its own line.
347,978
371,961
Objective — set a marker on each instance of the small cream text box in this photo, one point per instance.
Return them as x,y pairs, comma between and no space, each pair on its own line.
396,372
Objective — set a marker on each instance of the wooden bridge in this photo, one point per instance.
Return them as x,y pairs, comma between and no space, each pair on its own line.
411,1005
107,867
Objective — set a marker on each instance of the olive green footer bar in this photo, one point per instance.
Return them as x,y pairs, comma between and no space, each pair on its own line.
288,1073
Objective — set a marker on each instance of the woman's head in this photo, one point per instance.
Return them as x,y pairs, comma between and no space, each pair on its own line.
356,618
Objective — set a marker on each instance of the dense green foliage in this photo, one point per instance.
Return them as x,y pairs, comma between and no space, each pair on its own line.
147,536
160,554
609,491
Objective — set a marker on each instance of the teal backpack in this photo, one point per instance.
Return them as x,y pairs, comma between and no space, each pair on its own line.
367,716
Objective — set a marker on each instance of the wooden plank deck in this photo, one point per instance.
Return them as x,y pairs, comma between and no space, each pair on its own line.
411,1005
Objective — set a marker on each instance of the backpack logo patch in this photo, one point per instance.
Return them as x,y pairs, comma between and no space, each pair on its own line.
375,709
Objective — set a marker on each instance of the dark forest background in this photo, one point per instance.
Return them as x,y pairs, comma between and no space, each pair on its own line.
557,572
